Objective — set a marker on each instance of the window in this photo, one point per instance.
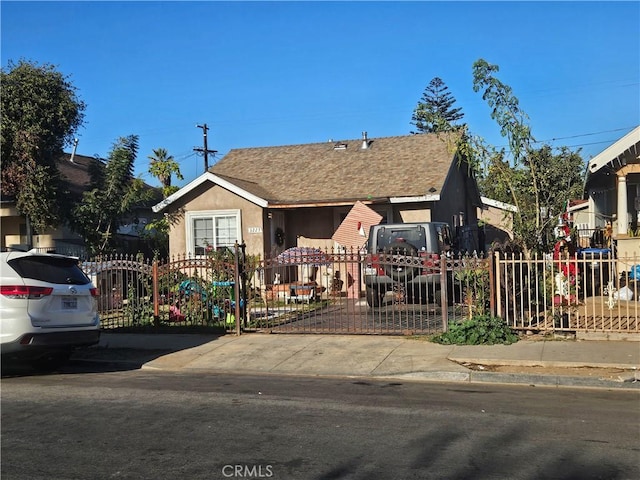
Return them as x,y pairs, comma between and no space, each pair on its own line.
211,230
50,269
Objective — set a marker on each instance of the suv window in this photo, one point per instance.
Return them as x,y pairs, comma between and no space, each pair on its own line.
444,238
49,269
412,235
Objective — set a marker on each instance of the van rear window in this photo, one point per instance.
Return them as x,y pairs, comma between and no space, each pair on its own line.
50,269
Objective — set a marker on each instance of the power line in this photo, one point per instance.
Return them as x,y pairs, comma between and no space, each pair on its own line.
586,135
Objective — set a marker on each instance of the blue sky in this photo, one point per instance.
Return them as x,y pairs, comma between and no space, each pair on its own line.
280,73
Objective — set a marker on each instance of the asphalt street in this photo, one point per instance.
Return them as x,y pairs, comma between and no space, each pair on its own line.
146,424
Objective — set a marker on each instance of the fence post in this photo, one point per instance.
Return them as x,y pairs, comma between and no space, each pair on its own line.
498,287
156,299
492,290
236,287
444,295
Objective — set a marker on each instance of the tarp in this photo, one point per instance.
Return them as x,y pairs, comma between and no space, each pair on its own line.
303,256
354,229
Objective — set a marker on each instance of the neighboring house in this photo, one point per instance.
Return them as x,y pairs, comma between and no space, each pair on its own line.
578,216
612,186
74,171
273,198
496,219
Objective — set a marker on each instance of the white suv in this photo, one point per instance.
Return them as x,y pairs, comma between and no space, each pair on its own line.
48,307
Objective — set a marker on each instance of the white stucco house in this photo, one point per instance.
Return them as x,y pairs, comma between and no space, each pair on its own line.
612,187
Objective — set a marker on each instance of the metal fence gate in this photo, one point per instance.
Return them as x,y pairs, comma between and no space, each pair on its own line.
321,291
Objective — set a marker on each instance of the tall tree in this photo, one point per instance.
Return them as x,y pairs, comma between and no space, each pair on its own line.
163,166
41,112
533,179
434,112
110,204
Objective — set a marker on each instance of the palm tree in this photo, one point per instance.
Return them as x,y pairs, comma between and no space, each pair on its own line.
163,166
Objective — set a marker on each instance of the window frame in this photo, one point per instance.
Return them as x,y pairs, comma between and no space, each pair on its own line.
212,215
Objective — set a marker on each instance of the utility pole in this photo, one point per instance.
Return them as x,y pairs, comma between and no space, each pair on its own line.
204,150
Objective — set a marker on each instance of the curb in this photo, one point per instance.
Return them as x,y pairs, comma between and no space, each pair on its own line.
523,379
630,383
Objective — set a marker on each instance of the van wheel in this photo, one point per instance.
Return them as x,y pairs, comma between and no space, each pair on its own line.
401,273
374,297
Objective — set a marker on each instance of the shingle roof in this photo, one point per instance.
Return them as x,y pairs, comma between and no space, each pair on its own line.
401,166
75,174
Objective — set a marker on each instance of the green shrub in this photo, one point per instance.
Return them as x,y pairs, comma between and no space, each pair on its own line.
479,330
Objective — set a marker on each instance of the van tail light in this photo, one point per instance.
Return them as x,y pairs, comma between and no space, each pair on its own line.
25,291
94,292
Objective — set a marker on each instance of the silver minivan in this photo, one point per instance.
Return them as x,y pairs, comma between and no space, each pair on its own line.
48,307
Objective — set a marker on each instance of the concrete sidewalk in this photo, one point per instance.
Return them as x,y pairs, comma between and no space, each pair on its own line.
385,357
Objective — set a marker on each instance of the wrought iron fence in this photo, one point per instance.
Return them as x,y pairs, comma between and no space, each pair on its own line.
347,291
181,291
588,293
337,291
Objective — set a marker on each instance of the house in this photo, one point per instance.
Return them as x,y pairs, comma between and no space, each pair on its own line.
75,174
612,187
578,216
273,198
496,219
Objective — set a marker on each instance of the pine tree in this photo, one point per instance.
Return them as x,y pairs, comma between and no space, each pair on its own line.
434,112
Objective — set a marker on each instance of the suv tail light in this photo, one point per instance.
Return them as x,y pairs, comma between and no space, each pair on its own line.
25,291
431,263
94,292
372,265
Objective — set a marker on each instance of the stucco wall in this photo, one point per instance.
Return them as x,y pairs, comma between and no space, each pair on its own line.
501,219
212,197
10,228
628,254
312,223
407,214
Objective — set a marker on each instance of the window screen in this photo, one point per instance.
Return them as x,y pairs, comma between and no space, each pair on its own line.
226,229
202,235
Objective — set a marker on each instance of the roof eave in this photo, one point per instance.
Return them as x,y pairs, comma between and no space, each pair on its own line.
209,177
498,204
616,150
414,199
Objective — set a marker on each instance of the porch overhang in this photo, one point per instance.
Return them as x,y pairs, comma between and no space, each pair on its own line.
624,152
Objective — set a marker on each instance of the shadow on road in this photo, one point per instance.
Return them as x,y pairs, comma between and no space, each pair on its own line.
110,358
